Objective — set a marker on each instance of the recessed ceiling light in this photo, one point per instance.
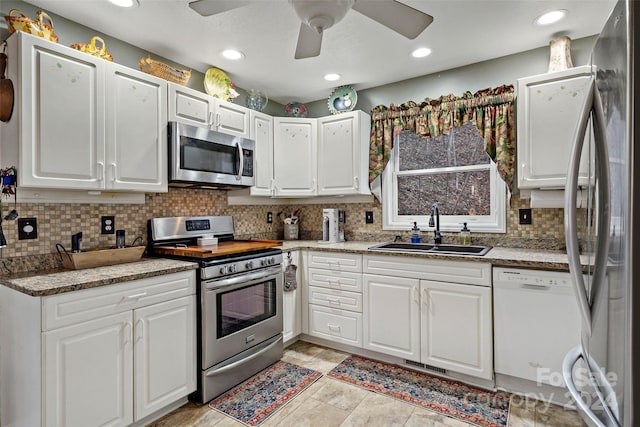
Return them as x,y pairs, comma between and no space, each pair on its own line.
551,17
421,52
125,3
332,77
232,54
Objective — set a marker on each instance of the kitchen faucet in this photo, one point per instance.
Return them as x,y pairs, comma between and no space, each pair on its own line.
437,237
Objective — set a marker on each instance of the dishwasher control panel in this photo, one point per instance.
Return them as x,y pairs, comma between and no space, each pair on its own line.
532,277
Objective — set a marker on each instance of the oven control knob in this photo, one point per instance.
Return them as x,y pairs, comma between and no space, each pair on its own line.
272,261
232,268
223,269
249,265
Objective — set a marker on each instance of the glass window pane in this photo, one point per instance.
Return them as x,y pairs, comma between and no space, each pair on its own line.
456,193
463,147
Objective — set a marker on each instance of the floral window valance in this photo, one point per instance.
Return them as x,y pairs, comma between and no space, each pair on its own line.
490,110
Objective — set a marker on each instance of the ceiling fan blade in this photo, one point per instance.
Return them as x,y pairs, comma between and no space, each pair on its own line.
309,42
213,7
399,17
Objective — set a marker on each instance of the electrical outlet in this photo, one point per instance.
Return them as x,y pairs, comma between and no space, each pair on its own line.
368,217
107,224
269,217
525,216
27,228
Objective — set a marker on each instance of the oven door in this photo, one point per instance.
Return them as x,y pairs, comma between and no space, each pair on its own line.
200,155
240,312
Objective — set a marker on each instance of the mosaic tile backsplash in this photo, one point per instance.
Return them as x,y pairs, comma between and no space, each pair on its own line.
57,222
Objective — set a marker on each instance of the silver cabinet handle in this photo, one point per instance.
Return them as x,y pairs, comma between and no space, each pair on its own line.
592,104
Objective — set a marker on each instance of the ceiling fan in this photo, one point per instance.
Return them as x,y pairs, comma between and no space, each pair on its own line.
319,15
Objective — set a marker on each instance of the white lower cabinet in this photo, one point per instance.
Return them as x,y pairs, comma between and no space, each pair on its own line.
456,328
392,315
342,326
430,311
106,356
88,373
291,300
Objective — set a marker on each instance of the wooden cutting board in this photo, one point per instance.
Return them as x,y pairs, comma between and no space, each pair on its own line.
223,248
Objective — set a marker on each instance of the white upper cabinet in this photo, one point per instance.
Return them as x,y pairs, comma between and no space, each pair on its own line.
231,118
262,134
549,106
136,131
343,154
83,123
190,106
294,156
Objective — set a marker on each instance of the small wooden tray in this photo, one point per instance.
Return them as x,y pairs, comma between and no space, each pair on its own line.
99,257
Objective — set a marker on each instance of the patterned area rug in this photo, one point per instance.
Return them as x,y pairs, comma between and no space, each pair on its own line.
469,404
259,397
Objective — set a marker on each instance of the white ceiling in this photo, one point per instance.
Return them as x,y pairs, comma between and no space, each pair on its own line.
365,53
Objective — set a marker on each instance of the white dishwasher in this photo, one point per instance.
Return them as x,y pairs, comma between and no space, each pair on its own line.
536,322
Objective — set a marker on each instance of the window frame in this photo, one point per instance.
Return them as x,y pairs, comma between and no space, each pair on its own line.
493,223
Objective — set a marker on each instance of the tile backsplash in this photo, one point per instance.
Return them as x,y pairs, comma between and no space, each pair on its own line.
58,221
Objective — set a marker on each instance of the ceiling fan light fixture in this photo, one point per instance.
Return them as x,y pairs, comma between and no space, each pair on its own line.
550,17
232,54
125,3
321,14
332,77
421,52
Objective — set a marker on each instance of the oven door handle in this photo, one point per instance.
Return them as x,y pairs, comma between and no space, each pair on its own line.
242,361
242,279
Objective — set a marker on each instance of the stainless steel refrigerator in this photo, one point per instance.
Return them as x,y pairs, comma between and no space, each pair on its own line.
602,373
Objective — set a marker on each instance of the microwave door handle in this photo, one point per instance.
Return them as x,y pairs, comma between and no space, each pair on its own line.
241,158
571,215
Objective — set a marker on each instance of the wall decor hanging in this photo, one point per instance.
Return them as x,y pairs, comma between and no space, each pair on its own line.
296,109
343,98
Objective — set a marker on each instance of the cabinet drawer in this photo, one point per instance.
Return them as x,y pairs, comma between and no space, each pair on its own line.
465,272
335,325
79,306
339,280
336,261
335,299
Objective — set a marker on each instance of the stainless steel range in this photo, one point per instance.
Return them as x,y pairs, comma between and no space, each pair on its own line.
240,294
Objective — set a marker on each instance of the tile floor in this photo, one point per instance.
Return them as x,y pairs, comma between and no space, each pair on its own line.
329,402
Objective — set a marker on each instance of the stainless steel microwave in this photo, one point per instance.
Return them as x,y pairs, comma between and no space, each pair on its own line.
199,157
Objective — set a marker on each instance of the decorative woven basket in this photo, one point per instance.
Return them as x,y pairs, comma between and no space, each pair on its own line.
164,71
91,48
18,21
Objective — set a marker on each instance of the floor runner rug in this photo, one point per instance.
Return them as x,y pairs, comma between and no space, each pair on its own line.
259,397
469,404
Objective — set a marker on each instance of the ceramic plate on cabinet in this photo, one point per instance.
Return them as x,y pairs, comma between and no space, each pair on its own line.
217,83
343,98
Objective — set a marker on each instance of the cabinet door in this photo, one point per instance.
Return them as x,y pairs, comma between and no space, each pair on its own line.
189,106
548,110
231,118
294,156
88,373
335,325
164,354
292,302
262,134
391,315
136,131
343,154
456,329
60,115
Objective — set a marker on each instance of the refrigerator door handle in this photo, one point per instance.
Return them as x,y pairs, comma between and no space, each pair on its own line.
592,104
569,361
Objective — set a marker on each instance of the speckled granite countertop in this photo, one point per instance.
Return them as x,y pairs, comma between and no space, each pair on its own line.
59,281
497,256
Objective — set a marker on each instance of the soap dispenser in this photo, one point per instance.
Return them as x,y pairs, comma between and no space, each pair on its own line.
415,233
465,235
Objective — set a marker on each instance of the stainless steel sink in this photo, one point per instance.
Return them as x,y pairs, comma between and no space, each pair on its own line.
431,248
